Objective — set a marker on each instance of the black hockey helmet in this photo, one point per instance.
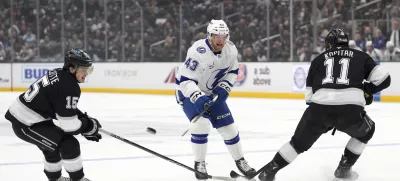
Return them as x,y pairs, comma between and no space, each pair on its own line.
336,38
77,58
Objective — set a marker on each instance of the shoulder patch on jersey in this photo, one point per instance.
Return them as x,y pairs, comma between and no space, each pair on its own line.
231,43
201,49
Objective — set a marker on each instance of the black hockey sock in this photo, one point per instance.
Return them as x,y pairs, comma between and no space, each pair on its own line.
53,175
280,161
351,157
77,175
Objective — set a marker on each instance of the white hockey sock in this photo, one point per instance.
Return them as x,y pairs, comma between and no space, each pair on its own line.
52,167
288,152
230,134
235,150
355,146
199,147
73,165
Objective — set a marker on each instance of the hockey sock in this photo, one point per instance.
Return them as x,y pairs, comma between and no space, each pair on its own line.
74,168
354,149
231,137
52,164
278,159
288,153
199,146
235,147
52,170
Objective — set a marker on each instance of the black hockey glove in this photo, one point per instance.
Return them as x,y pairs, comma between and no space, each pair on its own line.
369,97
92,132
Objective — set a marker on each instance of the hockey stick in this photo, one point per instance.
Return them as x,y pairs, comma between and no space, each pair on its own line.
235,175
164,157
197,117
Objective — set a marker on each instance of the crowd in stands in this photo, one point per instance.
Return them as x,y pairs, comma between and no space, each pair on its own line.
28,34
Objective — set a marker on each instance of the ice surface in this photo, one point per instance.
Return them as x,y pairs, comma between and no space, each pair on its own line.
264,124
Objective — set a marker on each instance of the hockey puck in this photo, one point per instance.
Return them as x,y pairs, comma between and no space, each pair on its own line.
151,130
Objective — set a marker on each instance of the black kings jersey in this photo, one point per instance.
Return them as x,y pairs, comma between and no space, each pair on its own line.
53,96
336,77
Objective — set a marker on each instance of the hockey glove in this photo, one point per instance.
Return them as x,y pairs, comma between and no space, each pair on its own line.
222,89
201,101
369,97
92,133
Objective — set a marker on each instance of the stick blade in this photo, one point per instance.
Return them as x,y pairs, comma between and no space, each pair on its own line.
239,177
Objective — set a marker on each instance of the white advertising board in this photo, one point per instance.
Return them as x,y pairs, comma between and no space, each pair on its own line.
132,76
394,70
106,75
264,77
299,72
5,75
27,73
267,77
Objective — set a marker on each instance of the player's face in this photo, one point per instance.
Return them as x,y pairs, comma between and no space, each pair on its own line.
82,72
218,41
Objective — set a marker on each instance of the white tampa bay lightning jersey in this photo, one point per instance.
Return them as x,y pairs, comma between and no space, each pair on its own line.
203,69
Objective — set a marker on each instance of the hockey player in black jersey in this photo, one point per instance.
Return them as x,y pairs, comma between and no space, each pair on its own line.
56,96
336,94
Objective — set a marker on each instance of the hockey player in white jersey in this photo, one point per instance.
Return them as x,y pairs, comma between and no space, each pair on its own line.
210,69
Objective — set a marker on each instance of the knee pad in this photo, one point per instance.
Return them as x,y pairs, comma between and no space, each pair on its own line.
368,136
200,131
69,147
230,134
363,131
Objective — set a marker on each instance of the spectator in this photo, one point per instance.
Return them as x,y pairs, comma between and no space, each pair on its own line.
26,54
262,55
394,36
75,42
2,53
29,37
249,55
352,44
391,53
375,54
359,41
379,40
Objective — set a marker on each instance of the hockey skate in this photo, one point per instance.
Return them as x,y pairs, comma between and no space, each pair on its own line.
62,179
244,167
83,179
201,167
268,174
344,172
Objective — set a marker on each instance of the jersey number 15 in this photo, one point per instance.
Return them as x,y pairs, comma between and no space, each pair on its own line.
342,79
34,88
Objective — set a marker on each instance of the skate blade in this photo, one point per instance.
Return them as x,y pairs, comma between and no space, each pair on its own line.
352,176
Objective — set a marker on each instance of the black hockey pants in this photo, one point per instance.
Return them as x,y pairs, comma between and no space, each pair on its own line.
54,144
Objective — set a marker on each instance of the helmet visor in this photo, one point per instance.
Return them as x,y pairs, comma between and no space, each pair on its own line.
85,70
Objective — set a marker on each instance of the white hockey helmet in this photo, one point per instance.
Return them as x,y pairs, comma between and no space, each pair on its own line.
217,27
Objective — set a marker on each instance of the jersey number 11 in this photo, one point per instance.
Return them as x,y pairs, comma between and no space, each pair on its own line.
344,62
